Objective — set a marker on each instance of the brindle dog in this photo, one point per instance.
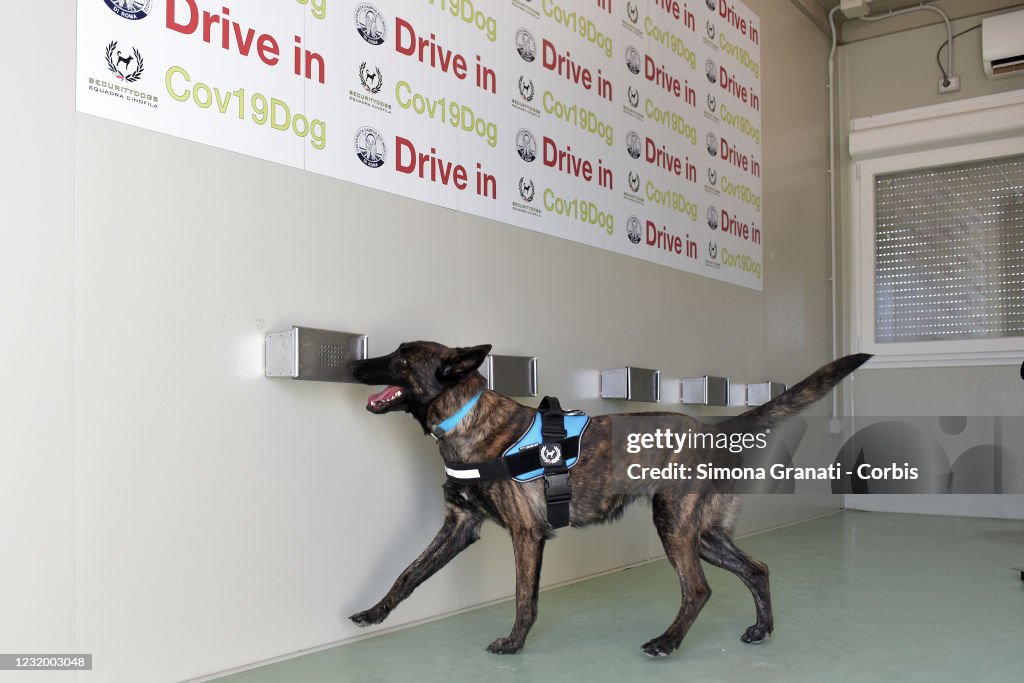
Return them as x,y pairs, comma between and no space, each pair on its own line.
432,382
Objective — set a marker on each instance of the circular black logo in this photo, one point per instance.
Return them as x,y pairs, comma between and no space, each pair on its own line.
712,216
130,9
633,229
526,46
712,176
709,28
371,79
712,102
633,60
710,4
526,189
633,144
713,250
632,12
711,71
370,24
526,145
712,143
634,181
126,66
526,88
634,97
370,147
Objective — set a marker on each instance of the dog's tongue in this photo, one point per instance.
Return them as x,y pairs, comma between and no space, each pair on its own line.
382,397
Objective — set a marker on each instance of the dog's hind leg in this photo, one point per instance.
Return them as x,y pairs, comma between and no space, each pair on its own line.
675,519
529,550
459,531
717,548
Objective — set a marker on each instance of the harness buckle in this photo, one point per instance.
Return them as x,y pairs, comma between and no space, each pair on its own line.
556,487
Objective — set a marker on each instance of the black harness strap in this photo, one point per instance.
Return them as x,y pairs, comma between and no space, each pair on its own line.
557,490
510,467
552,417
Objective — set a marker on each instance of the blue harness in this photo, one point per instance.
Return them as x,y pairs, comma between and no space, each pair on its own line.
549,448
574,426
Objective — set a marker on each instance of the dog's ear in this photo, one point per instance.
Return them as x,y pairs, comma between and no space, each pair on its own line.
465,361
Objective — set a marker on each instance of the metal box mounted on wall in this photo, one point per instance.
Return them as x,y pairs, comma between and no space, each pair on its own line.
632,384
705,391
511,375
312,354
737,394
762,392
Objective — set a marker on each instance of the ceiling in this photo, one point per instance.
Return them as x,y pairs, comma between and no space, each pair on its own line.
877,6
817,11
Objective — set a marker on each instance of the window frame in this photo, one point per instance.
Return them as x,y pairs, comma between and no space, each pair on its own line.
907,141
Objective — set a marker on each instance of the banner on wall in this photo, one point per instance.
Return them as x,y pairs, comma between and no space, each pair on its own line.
629,125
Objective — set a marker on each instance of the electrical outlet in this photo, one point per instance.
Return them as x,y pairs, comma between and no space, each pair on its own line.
953,86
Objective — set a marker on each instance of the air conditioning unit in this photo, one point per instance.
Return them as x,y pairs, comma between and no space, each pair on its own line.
1002,44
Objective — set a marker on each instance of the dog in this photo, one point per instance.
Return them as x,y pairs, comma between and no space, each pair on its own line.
127,61
433,382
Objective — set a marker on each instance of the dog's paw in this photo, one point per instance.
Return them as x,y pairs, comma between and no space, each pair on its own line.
756,634
374,615
505,646
658,647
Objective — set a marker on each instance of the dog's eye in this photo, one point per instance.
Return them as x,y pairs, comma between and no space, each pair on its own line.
403,362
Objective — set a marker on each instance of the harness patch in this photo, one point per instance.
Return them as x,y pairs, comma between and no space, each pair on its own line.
569,449
551,453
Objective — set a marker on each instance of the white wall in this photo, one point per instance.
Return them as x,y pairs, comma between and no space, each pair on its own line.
892,73
186,515
37,609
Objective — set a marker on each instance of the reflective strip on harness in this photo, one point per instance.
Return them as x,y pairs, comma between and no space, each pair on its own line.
462,474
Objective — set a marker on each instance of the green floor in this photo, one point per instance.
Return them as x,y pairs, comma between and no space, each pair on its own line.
858,596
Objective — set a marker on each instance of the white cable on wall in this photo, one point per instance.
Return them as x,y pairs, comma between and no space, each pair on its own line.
920,8
832,154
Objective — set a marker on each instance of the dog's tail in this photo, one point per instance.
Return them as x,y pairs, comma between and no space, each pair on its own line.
802,395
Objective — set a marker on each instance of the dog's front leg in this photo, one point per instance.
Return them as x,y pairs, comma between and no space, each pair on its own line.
459,531
529,550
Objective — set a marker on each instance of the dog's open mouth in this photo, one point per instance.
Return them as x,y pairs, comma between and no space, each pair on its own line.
385,400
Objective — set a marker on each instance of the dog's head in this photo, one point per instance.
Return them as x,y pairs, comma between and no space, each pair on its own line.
416,374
